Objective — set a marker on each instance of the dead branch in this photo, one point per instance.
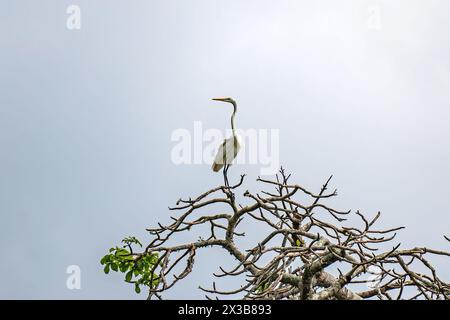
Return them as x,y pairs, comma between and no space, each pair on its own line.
300,255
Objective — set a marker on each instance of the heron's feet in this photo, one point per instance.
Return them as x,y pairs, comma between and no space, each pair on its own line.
229,193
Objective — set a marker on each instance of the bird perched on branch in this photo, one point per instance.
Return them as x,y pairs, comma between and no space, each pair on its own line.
229,148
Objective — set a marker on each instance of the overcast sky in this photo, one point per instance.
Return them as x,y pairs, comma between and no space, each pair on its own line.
358,89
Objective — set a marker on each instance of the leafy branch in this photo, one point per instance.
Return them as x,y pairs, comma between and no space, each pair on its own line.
138,269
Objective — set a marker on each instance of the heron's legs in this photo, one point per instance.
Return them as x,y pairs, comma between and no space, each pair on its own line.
225,174
227,184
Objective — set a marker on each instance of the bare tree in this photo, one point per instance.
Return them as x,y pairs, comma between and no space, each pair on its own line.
307,253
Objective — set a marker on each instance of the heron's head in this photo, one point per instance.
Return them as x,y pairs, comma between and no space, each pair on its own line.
229,100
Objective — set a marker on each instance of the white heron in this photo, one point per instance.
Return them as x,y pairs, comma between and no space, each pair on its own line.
229,148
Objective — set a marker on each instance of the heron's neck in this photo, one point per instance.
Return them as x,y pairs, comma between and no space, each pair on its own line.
232,119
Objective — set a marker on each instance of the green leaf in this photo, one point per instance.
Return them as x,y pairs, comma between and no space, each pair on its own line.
155,280
114,266
128,276
122,252
123,267
105,259
137,288
106,269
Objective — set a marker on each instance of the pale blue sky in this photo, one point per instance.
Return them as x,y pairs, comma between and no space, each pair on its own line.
86,118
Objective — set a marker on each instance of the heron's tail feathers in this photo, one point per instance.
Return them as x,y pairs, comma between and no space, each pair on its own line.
217,166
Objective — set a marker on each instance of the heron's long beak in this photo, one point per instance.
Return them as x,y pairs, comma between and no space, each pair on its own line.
219,99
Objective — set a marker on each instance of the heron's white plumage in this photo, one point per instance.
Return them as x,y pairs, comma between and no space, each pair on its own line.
227,152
